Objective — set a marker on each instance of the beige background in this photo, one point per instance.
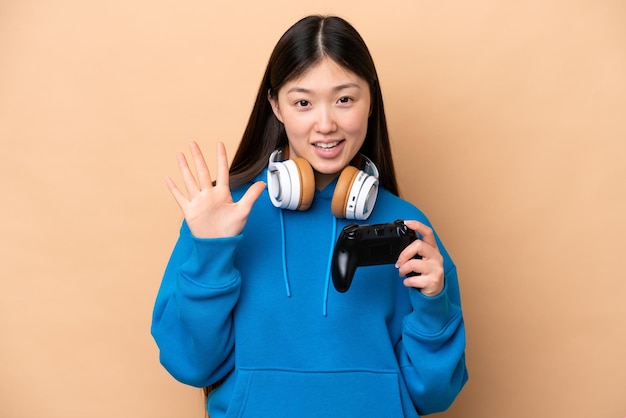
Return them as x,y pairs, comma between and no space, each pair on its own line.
508,125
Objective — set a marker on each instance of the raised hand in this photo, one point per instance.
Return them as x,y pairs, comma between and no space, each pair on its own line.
209,209
430,281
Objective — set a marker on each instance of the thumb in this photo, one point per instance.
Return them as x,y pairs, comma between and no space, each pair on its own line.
252,194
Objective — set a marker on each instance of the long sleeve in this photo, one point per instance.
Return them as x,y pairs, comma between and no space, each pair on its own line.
432,350
192,319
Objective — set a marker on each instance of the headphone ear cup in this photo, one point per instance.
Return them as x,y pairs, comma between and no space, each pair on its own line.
355,194
307,183
279,184
365,193
339,203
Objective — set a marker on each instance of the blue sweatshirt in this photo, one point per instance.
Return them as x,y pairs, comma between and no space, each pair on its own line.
260,309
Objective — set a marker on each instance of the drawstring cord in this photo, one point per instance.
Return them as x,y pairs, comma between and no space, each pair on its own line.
333,238
285,276
328,269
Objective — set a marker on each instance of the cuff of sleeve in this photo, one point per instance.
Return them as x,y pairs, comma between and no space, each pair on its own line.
210,263
430,314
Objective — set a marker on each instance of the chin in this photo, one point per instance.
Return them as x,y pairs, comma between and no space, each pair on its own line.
325,170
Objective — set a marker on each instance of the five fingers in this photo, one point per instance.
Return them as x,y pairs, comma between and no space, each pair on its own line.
209,208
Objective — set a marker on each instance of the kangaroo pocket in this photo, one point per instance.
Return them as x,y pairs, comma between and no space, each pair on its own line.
272,393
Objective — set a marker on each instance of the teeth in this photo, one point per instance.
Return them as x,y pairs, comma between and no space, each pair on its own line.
327,145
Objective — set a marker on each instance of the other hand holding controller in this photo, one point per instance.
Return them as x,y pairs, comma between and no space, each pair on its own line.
395,242
430,280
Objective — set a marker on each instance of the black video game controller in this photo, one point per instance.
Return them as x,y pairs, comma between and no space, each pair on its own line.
368,245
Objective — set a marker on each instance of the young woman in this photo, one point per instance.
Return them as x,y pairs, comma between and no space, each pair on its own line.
247,298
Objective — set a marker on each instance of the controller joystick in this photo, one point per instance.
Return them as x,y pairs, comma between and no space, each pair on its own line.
368,245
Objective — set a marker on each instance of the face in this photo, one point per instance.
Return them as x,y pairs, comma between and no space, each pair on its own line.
325,114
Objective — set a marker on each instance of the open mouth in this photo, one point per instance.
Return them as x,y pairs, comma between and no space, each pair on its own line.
327,145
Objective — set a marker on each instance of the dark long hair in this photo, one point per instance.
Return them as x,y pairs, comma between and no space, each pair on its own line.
303,45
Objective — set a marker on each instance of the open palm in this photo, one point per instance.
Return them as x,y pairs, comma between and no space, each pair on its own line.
208,207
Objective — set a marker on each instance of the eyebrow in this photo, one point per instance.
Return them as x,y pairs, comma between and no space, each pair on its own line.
336,89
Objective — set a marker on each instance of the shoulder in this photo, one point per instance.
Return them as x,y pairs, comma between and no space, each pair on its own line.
390,207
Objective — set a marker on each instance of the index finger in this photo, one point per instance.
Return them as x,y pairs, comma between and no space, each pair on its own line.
427,233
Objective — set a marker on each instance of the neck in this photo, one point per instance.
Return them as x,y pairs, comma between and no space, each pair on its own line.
323,180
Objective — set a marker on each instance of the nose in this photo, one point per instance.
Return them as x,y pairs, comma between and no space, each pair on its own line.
325,122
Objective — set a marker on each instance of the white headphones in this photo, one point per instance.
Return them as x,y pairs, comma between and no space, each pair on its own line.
291,185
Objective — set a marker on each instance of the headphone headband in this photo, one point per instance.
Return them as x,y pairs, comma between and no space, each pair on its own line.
368,166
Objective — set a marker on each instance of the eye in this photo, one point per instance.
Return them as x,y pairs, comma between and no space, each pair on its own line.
345,100
302,103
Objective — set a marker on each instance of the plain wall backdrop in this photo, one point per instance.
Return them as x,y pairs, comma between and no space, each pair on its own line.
508,129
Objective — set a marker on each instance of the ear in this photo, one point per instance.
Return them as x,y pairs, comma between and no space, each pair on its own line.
274,103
